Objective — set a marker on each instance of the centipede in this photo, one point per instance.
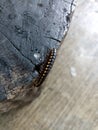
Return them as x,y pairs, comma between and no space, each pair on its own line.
46,67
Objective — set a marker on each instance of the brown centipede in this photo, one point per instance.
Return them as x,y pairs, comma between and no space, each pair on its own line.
50,58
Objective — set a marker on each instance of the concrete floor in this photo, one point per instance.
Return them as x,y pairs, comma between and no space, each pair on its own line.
70,99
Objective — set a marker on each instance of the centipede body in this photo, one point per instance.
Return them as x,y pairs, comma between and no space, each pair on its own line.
50,58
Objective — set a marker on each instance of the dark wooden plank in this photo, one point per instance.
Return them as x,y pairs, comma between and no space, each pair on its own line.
28,31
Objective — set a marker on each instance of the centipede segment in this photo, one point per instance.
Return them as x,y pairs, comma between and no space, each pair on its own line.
50,58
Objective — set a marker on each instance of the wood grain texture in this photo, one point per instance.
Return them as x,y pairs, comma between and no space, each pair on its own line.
70,99
29,30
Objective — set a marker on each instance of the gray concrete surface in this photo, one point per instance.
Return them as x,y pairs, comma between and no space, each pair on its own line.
70,99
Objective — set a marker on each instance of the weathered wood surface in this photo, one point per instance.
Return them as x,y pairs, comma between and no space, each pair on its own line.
70,100
28,30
